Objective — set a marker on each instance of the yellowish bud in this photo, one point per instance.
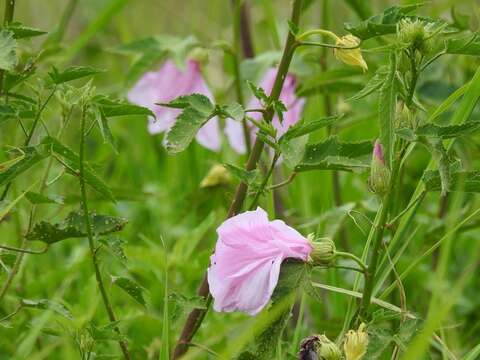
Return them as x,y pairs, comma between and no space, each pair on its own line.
217,175
356,343
350,56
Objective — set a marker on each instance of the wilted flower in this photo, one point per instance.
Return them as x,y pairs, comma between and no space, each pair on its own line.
379,172
245,267
167,84
217,175
319,347
294,105
323,252
350,56
356,343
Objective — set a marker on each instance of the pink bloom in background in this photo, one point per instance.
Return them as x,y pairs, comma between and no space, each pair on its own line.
166,84
245,267
234,130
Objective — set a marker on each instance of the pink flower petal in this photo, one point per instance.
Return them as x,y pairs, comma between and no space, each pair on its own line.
166,84
245,267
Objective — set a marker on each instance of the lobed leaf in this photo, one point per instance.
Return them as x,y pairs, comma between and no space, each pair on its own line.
197,110
448,132
466,181
334,155
113,107
303,128
73,226
72,73
469,45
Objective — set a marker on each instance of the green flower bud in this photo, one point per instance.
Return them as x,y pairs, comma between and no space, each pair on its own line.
319,347
200,55
323,252
327,349
414,34
379,181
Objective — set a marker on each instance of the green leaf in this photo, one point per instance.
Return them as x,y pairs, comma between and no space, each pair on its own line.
293,27
248,177
448,132
334,155
234,111
71,161
292,276
181,304
466,181
72,73
45,304
293,150
440,156
386,110
197,110
21,31
106,332
469,45
381,24
8,51
113,107
37,198
131,288
258,92
115,245
73,226
32,155
303,127
469,100
374,84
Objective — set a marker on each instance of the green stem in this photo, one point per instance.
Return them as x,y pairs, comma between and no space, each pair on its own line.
309,33
264,183
196,316
236,67
413,78
25,251
91,243
377,246
354,258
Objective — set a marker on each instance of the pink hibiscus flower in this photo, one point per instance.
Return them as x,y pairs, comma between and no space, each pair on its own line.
166,84
246,264
234,130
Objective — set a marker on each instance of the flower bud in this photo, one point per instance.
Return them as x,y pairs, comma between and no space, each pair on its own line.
414,34
323,252
356,342
216,176
350,56
200,55
379,181
319,347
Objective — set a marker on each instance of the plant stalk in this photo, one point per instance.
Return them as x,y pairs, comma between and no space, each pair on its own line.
91,243
196,317
7,19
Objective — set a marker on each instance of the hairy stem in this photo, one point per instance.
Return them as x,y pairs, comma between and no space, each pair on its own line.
195,317
91,243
